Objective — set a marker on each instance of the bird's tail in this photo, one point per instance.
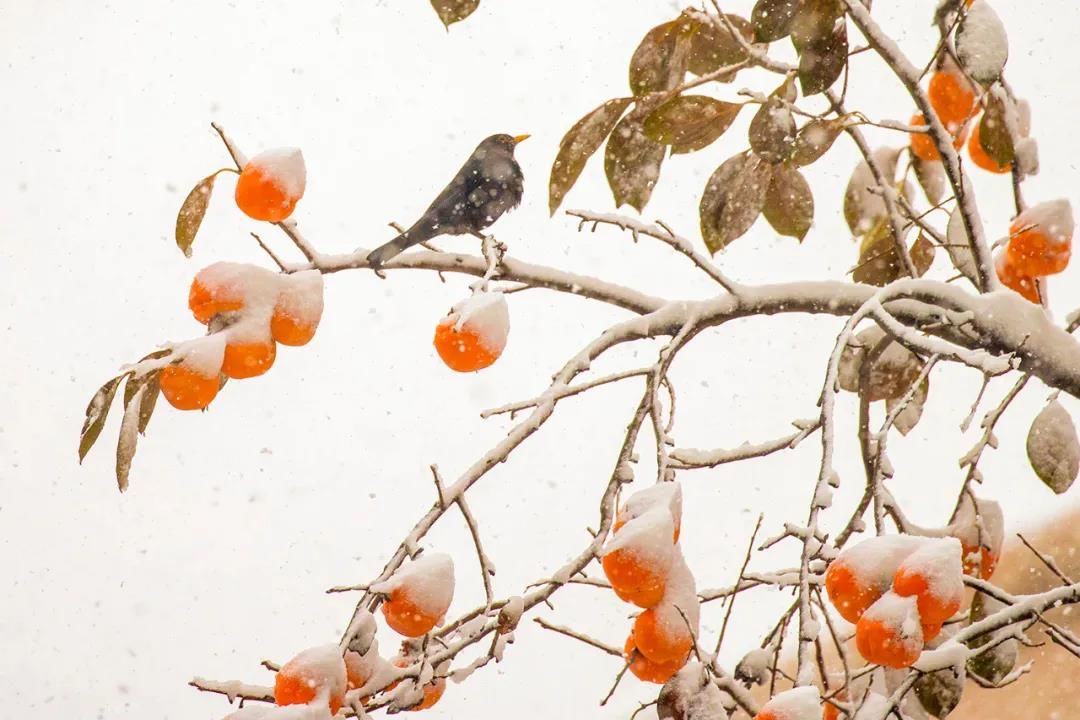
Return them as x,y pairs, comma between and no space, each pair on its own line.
415,235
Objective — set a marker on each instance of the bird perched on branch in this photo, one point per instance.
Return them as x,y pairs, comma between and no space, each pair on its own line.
487,185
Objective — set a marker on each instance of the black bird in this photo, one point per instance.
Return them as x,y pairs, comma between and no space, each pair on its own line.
487,185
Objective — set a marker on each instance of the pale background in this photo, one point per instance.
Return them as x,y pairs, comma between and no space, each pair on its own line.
237,519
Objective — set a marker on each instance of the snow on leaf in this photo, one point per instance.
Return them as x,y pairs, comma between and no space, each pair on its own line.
789,203
959,248
690,122
660,60
713,47
799,703
632,163
129,435
733,199
772,131
192,212
579,143
982,44
1053,448
772,19
815,138
96,413
452,11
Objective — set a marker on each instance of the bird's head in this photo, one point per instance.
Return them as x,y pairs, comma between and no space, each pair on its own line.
503,142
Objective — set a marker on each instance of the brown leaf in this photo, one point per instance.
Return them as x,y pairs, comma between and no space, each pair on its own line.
713,47
814,139
772,19
958,246
191,214
150,381
892,373
772,131
660,60
931,177
863,208
909,417
1052,447
733,198
690,122
820,37
994,135
452,11
96,413
880,264
129,436
789,203
632,163
578,145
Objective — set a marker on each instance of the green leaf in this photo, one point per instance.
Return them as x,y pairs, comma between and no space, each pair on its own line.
820,37
772,130
994,135
660,60
191,214
690,122
880,264
712,46
789,203
96,413
632,163
815,138
578,145
1053,449
733,199
772,19
452,11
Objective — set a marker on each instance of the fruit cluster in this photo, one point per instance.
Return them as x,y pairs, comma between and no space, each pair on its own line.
898,590
645,566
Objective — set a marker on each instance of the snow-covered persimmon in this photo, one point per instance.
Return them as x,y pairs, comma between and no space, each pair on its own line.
249,351
298,309
979,525
933,574
315,675
193,382
1026,285
473,335
922,145
418,595
952,98
636,561
225,287
800,703
863,573
432,690
645,669
889,633
662,635
271,184
1040,239
665,495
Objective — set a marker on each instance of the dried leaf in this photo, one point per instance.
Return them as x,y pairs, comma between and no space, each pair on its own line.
994,134
578,145
959,248
994,664
814,139
660,60
909,417
733,198
150,381
863,208
789,203
931,177
632,163
880,264
982,45
823,48
893,372
713,47
772,131
1053,448
772,19
192,212
452,11
690,122
129,436
96,413
939,692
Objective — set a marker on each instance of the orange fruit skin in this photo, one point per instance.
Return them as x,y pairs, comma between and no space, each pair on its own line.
1031,252
287,330
922,145
880,644
1023,284
187,390
405,618
292,689
850,596
644,668
632,582
260,198
952,98
931,631
980,157
248,360
432,691
932,610
206,302
986,564
461,349
659,644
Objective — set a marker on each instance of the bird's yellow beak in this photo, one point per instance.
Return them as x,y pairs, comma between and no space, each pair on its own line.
520,138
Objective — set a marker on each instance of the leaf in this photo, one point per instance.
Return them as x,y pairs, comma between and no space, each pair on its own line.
96,413
959,248
880,264
712,46
632,163
822,45
863,208
982,45
994,134
815,138
939,692
772,131
690,122
931,177
660,60
789,203
994,664
733,198
150,381
191,213
129,436
579,143
909,417
892,373
1053,448
452,11
772,19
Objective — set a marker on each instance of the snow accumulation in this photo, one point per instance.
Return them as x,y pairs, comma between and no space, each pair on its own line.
487,315
428,583
285,168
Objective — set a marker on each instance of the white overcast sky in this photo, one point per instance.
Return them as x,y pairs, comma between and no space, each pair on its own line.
237,519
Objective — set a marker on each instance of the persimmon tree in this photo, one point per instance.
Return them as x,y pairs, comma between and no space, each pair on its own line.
899,593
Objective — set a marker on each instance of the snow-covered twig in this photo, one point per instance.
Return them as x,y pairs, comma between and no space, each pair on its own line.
568,632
